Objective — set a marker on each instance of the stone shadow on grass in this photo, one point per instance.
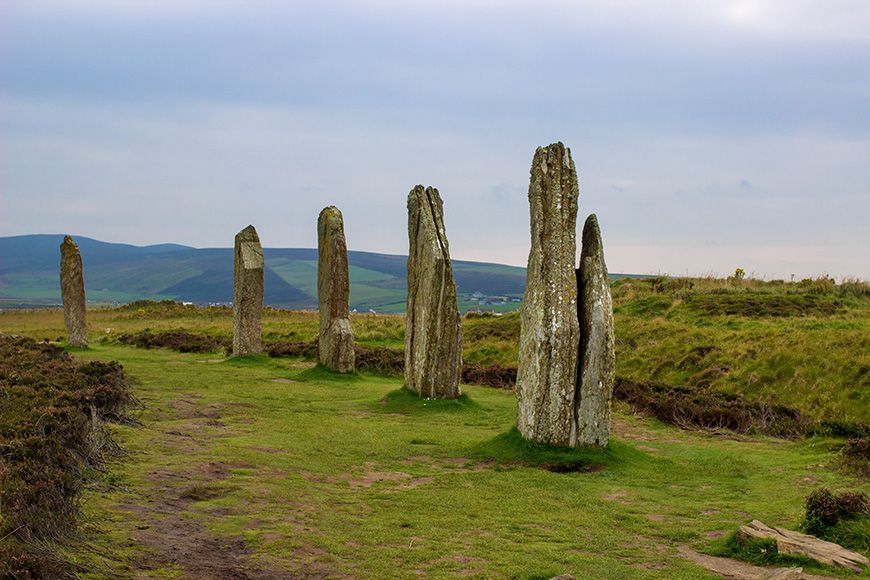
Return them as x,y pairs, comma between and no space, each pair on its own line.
512,449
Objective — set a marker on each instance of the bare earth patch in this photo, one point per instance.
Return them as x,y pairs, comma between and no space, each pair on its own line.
737,570
175,539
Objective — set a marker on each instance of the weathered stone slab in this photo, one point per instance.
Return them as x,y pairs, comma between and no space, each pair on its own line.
333,291
247,293
796,543
433,330
549,332
597,358
72,289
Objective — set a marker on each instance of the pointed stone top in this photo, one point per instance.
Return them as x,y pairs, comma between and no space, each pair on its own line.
591,242
248,234
416,192
69,243
330,211
427,201
546,157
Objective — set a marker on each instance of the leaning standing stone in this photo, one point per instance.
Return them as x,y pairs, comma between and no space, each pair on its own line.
433,330
333,290
549,331
597,360
72,289
247,293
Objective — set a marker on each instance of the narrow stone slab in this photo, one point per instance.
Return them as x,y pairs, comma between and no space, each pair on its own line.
433,329
72,289
549,331
796,543
597,359
247,293
333,291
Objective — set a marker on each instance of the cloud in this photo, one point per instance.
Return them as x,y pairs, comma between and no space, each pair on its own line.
701,123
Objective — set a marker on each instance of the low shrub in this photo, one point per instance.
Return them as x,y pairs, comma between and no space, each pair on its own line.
709,409
381,361
489,376
177,340
760,304
306,350
51,435
825,509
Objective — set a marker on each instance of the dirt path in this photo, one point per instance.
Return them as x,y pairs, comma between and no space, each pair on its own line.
736,570
168,527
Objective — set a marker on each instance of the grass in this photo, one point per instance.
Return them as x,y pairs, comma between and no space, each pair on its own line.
352,475
803,345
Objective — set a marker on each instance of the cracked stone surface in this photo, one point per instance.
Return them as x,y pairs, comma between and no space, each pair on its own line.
433,332
596,373
549,331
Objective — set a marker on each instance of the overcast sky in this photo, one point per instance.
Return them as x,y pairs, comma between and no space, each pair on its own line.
707,135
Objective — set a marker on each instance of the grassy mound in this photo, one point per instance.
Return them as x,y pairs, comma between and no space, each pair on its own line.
408,403
511,448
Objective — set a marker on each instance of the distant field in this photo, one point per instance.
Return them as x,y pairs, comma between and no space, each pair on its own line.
120,273
803,345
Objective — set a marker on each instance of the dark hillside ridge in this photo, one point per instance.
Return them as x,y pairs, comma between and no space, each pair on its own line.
119,273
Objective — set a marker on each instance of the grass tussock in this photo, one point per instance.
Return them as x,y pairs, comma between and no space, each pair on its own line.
760,553
51,436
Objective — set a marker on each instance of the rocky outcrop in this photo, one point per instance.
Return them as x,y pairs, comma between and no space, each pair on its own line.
72,288
549,331
333,290
247,293
596,372
433,331
798,544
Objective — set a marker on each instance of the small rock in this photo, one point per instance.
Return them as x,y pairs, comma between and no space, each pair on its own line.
796,543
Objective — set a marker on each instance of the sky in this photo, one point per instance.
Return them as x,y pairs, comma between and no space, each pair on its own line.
708,135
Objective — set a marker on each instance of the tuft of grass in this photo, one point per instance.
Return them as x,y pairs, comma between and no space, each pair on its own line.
406,402
760,552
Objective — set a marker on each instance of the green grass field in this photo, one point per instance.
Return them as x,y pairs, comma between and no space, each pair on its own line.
300,471
278,467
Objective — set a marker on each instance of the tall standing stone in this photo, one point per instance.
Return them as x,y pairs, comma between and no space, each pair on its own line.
247,293
597,358
549,331
433,330
333,290
72,289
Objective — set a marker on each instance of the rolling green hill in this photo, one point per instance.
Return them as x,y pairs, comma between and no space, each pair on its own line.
29,276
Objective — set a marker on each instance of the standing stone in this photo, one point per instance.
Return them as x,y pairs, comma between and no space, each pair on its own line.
549,331
72,289
433,330
333,289
247,293
597,358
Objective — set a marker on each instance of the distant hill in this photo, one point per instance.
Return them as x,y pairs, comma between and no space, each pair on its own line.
29,276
